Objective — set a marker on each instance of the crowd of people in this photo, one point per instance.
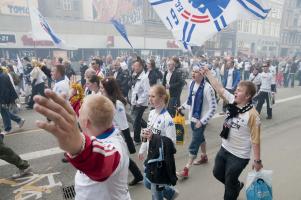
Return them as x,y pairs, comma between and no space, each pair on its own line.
89,114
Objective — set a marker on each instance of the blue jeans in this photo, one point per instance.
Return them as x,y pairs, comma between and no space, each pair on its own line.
159,192
137,114
197,139
7,117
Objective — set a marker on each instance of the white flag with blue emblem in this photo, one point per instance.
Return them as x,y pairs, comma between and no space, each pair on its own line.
41,30
192,22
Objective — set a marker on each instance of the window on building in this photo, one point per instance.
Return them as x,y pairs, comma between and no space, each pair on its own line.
239,26
259,28
295,24
298,4
67,5
254,27
246,26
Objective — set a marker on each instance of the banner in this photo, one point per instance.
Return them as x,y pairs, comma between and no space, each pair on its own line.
127,11
192,22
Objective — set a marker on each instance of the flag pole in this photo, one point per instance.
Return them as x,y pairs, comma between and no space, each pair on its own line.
33,39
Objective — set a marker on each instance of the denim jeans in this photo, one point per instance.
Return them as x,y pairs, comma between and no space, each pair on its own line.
159,192
137,114
7,116
227,169
197,139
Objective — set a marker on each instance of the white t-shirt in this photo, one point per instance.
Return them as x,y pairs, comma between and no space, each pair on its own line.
247,66
162,124
37,74
120,120
273,71
255,79
62,87
168,76
230,79
266,81
245,130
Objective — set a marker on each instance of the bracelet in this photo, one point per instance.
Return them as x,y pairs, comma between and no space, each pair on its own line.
257,161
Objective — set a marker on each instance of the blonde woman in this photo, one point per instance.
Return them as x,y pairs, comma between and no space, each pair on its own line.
159,123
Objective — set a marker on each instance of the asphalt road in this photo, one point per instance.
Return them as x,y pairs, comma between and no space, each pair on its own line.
281,152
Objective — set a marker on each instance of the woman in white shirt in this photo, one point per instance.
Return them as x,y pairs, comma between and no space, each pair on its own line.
94,85
111,90
159,122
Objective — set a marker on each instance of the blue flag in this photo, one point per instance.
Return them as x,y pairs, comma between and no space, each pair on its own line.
121,29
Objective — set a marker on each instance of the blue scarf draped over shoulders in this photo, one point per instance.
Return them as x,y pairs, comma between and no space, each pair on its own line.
198,99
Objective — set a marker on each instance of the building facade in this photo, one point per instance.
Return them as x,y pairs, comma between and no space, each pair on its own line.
260,37
86,25
290,42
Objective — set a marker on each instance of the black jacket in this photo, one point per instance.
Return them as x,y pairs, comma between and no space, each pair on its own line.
166,172
8,94
154,75
123,79
176,83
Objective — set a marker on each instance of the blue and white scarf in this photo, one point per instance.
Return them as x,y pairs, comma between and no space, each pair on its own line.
198,99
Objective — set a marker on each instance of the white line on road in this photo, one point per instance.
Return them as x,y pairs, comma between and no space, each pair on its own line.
56,150
37,154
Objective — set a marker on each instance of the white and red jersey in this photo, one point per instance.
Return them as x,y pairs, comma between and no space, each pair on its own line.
102,168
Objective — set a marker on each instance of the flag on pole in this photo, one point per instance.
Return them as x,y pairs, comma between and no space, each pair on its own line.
192,22
121,29
41,30
20,67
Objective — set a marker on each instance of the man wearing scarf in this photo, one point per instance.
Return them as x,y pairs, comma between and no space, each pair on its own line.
202,106
240,134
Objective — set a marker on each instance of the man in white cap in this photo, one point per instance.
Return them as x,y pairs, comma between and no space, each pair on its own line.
202,106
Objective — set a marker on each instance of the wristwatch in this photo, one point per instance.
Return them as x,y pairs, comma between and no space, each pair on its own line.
257,161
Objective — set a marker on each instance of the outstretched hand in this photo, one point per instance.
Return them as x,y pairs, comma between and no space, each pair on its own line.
63,124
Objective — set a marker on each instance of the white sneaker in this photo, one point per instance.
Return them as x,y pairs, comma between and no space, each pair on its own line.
6,132
21,123
21,173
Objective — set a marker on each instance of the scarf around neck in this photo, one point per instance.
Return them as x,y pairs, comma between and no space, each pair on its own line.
198,99
233,111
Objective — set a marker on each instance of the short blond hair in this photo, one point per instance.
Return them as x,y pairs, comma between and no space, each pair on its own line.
100,110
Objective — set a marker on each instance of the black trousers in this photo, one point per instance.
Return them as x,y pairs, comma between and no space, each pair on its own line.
134,169
227,169
128,140
264,97
137,114
37,89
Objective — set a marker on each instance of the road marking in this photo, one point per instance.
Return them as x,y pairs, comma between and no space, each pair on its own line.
56,150
30,186
37,154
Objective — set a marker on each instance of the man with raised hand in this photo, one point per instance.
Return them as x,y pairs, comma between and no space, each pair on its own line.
240,134
99,153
